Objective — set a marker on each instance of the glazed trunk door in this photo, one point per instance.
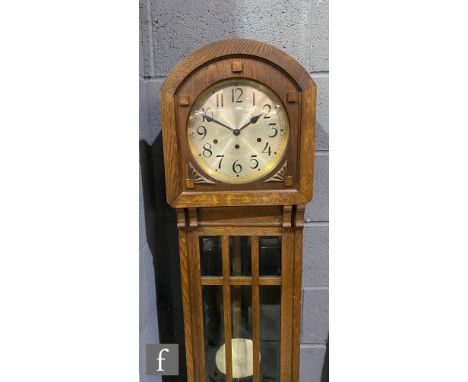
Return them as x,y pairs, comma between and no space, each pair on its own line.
241,288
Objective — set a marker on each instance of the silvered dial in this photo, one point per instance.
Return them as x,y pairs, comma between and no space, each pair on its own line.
238,130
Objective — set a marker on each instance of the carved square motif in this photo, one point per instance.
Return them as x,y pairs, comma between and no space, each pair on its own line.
288,181
291,97
236,66
189,183
184,100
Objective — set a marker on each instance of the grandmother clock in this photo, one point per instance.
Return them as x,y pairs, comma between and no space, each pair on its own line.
238,135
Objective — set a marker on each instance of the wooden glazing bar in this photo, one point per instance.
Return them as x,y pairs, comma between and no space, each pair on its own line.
240,280
197,317
235,265
227,308
207,280
270,280
255,310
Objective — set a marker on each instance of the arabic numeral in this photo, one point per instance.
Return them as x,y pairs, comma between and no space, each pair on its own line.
267,149
236,167
201,130
205,115
219,100
252,158
274,130
207,153
237,94
220,161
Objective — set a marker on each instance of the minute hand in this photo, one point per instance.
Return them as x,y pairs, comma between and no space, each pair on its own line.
252,121
211,119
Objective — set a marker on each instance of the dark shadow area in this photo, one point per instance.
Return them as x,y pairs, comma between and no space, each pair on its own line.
162,236
325,377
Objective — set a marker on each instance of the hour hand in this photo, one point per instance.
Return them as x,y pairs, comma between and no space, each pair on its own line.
253,120
211,119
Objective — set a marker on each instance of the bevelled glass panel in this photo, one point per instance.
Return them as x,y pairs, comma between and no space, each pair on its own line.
241,322
213,322
270,328
270,255
240,255
210,256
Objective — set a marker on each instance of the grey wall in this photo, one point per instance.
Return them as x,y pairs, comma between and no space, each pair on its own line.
171,29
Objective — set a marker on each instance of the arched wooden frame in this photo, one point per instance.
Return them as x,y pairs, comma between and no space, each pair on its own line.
186,185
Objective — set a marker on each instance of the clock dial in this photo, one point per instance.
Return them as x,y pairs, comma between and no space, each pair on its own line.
238,130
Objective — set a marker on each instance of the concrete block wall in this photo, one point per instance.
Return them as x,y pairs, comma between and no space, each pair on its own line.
171,29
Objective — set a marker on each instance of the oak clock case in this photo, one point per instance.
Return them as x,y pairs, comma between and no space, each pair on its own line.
238,129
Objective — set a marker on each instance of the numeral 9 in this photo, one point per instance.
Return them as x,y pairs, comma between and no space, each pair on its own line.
201,130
